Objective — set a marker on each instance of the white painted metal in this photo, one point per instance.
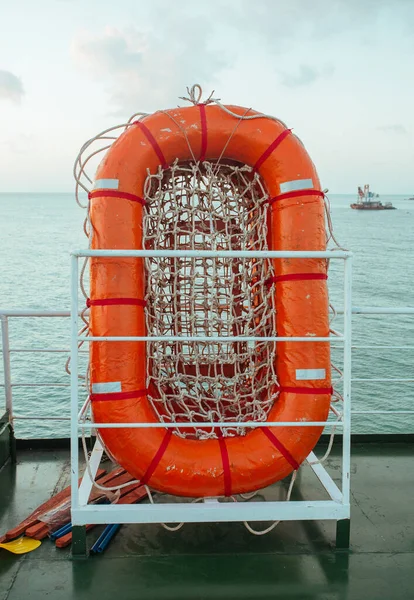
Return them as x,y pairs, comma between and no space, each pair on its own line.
252,424
385,380
382,310
324,477
6,366
7,313
94,462
185,512
34,350
336,508
383,412
39,418
346,431
358,347
34,313
213,253
74,439
204,338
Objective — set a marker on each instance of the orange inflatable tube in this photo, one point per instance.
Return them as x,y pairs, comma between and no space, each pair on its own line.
224,466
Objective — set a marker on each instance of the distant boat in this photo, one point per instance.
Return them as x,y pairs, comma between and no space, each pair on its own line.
412,198
367,200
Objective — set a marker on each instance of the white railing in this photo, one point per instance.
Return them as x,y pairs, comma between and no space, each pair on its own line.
6,315
336,508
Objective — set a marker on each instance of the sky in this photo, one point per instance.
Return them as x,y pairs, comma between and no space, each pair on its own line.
339,72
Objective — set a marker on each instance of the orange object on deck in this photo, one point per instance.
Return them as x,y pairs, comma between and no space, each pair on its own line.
227,465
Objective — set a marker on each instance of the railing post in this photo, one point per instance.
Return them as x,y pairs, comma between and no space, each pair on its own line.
7,382
79,538
346,440
6,366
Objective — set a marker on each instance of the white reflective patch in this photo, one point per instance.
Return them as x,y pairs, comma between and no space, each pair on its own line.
297,184
106,388
308,374
106,184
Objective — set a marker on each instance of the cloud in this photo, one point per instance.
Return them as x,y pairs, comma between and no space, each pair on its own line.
397,128
20,143
178,44
306,75
278,20
11,87
143,69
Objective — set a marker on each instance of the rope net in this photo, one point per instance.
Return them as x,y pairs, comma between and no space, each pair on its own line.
208,207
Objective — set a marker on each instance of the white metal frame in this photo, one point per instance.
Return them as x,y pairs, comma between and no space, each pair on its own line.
338,505
207,513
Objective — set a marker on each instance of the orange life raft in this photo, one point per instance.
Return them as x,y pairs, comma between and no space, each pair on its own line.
224,466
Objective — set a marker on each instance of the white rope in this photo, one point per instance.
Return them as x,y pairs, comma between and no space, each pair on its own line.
169,527
275,523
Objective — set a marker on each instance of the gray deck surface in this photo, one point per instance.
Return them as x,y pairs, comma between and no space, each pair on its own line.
296,560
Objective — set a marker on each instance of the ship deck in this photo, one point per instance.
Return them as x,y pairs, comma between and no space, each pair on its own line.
296,560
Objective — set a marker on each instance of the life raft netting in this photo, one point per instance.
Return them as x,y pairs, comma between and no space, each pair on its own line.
209,206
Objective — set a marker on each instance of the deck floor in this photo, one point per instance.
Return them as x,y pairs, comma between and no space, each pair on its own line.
296,560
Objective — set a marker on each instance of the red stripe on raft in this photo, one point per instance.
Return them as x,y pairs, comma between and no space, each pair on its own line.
153,143
155,461
304,390
116,194
282,449
118,395
295,194
226,464
203,119
271,148
295,277
115,302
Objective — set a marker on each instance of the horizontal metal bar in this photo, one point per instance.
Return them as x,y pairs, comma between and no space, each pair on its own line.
324,477
206,338
39,350
375,347
42,350
39,418
210,512
382,412
379,310
34,313
212,253
384,380
382,310
42,384
357,310
250,424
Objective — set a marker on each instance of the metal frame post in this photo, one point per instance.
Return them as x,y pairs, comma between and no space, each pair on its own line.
6,366
79,548
8,390
343,525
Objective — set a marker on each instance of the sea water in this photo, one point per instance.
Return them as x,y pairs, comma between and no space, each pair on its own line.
37,232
